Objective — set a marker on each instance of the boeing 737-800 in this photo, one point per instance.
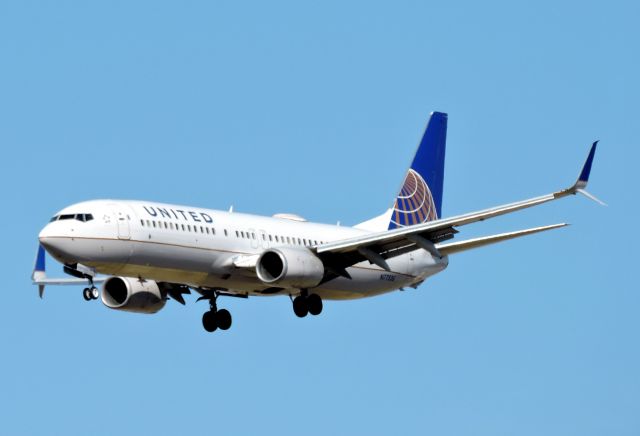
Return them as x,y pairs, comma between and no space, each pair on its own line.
145,253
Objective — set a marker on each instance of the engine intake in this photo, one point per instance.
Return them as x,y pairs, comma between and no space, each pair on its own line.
290,267
132,295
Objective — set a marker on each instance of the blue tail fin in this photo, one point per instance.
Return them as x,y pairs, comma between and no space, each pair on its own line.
420,198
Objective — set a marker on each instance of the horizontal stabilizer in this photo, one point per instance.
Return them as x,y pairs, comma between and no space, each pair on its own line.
457,247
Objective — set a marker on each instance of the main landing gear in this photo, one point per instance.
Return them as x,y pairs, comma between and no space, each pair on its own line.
216,319
304,304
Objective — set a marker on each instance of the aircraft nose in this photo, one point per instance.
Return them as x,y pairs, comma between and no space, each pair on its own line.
52,242
45,234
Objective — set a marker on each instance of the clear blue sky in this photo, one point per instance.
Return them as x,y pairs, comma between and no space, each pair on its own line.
315,108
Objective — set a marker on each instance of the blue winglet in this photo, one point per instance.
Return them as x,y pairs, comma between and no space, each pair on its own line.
39,270
586,169
40,265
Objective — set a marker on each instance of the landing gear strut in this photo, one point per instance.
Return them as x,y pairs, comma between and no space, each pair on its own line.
216,319
305,304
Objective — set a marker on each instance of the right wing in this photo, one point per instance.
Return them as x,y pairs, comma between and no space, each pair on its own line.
378,246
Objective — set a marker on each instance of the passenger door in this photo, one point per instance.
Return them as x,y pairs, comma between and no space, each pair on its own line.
123,218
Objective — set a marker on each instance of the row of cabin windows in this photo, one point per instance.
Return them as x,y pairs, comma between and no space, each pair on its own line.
239,233
278,238
179,227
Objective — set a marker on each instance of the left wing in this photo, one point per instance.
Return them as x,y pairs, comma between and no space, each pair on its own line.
378,246
40,278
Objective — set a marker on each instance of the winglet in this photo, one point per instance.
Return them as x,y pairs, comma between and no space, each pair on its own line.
583,179
39,270
586,169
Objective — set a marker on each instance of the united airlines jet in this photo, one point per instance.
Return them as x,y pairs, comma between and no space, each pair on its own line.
145,253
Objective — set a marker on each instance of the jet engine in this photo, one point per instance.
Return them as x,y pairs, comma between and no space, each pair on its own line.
290,267
133,295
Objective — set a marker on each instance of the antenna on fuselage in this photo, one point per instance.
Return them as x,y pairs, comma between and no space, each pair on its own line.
231,209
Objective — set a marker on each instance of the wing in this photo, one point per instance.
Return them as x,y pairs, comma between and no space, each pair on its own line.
378,246
39,275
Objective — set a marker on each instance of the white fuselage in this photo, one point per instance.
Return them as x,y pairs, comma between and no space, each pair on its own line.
200,248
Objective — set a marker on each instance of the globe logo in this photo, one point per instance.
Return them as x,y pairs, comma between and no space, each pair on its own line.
414,204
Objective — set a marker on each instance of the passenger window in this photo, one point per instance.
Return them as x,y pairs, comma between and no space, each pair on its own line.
207,230
225,232
270,238
188,227
165,225
182,227
213,230
253,236
154,223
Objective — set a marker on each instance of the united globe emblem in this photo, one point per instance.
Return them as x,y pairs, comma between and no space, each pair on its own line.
414,204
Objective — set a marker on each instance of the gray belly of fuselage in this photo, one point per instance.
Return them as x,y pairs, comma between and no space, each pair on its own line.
212,268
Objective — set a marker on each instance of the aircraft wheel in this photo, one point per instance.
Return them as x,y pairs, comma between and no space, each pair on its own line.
86,294
94,293
209,321
314,302
300,306
223,319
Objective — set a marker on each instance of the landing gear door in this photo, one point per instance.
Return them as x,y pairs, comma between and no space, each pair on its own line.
123,218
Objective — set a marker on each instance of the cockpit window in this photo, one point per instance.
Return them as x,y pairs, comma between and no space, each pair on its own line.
84,217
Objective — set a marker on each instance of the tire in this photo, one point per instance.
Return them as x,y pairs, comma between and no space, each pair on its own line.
223,319
314,302
95,294
300,306
209,321
86,294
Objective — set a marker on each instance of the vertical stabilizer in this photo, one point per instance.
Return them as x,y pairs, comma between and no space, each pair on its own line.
420,197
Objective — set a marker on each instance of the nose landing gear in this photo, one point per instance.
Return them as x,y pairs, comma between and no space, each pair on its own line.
91,293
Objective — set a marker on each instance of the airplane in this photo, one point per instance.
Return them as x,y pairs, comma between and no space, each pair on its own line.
145,253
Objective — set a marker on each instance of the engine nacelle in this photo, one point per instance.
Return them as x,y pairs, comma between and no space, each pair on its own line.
132,295
290,267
